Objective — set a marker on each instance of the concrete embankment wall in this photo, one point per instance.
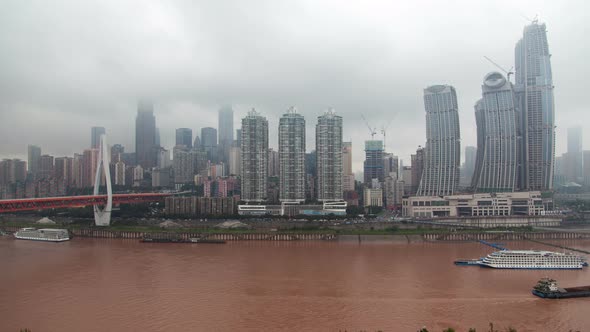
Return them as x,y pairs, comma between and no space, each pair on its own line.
394,238
277,236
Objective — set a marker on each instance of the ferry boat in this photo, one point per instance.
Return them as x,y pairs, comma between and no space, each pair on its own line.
44,234
532,259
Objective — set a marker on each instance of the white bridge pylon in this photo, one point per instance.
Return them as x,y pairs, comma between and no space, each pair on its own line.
103,217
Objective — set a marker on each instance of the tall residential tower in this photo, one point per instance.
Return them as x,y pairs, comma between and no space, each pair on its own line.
328,140
292,157
254,157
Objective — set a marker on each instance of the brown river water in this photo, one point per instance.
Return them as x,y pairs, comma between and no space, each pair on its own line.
123,285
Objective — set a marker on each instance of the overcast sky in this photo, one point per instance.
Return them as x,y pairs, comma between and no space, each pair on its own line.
66,66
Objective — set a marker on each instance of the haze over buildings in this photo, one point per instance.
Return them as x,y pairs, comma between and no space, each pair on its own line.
190,73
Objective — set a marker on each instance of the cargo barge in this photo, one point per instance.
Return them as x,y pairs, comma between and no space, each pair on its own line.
547,288
180,240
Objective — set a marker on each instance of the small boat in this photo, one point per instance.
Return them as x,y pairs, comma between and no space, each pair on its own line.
202,240
547,288
148,239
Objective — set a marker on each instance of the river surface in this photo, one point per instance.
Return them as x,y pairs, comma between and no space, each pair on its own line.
123,285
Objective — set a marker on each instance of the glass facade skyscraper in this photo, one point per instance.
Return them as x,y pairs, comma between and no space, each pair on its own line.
534,87
184,136
442,157
145,136
498,137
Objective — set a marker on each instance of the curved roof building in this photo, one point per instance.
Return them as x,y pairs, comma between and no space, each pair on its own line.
442,157
498,137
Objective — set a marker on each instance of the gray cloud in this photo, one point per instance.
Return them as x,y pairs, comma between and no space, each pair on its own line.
70,65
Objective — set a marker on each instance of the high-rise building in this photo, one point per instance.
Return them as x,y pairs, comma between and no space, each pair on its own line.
407,177
90,162
209,137
47,167
273,163
586,167
373,165
534,87
347,174
12,171
310,176
235,161
328,142
573,159
184,165
239,137
34,160
226,132
78,171
498,137
163,158
184,136
197,143
120,173
416,170
145,135
390,165
116,151
209,142
394,191
254,157
574,139
442,157
292,157
137,176
95,133
468,166
64,170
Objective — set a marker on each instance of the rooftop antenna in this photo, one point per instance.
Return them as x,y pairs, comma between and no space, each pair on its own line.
507,72
371,130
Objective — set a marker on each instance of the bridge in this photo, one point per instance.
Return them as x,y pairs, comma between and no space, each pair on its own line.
102,203
33,204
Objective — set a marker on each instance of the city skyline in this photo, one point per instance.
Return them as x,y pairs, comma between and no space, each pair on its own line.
21,111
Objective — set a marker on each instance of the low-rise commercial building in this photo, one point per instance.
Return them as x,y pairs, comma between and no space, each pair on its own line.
528,203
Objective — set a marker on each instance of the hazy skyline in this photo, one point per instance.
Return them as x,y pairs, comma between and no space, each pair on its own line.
74,65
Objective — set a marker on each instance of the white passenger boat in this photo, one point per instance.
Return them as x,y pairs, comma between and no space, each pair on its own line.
44,234
532,259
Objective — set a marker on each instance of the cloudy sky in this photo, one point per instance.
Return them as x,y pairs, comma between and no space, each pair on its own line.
66,66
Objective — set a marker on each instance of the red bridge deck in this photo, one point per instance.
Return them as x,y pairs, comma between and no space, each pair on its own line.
29,204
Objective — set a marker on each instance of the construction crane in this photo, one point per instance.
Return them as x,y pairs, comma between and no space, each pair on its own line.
508,72
384,132
371,130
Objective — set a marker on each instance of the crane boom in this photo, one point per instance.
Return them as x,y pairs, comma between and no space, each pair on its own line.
507,72
371,130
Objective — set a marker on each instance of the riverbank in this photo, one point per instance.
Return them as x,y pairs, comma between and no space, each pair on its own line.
393,236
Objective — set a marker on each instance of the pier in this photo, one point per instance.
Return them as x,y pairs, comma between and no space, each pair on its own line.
558,246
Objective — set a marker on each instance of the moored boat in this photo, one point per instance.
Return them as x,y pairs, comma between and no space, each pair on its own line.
43,234
205,240
532,259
